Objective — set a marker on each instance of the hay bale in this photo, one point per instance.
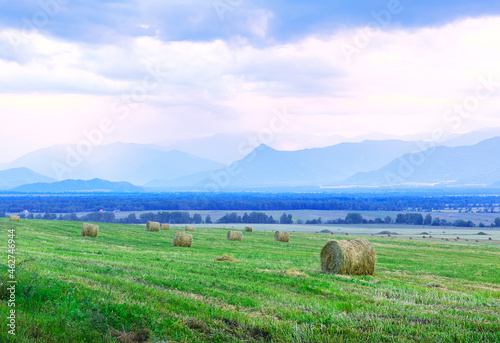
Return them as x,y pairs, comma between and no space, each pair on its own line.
189,228
248,229
234,236
14,218
490,239
89,230
282,236
182,239
153,226
348,257
347,234
165,226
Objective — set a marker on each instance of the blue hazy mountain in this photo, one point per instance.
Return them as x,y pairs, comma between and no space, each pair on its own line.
15,177
135,163
267,167
67,186
477,164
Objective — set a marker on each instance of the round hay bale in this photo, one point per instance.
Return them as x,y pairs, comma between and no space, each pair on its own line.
14,218
153,226
477,240
348,257
431,237
234,236
466,239
165,226
411,238
282,236
182,239
447,239
189,228
458,238
347,234
490,239
89,230
248,229
424,236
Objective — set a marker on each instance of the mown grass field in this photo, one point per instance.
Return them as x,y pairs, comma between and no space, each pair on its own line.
76,289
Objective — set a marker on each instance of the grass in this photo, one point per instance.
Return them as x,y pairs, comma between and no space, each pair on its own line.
80,289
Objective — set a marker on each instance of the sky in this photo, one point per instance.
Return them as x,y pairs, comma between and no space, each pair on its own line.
161,71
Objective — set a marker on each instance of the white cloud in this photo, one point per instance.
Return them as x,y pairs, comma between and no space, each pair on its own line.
401,83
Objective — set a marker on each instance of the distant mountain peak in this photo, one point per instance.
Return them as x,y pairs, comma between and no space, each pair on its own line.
265,147
15,177
135,163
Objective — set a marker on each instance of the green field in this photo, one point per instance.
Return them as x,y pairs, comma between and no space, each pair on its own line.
127,280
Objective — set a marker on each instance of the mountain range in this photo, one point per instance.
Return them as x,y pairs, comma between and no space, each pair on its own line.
66,186
477,164
266,166
371,163
20,176
134,163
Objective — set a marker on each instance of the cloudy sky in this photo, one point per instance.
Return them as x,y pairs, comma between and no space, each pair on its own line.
150,71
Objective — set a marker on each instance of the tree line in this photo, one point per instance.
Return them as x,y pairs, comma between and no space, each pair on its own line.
178,217
258,202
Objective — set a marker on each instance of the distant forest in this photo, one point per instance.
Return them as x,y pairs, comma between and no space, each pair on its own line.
47,203
252,218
